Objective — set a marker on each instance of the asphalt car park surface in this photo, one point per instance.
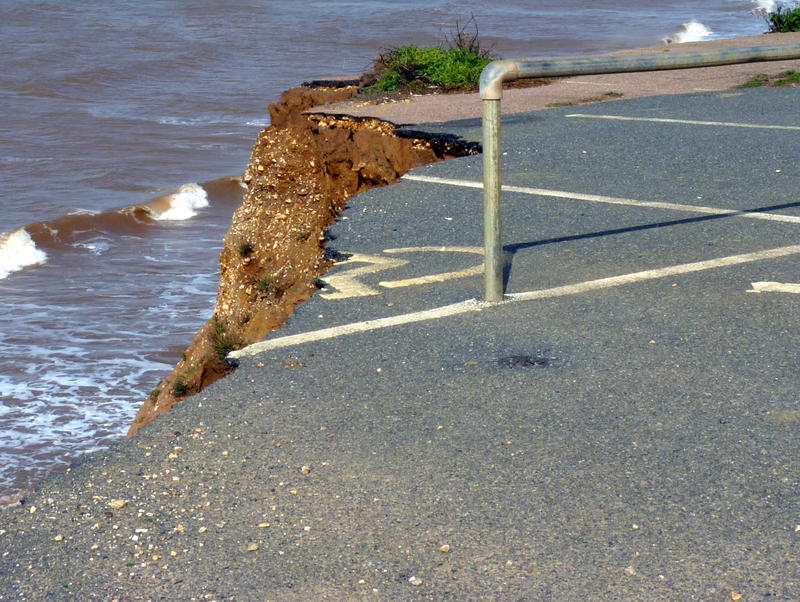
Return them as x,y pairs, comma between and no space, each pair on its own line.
623,427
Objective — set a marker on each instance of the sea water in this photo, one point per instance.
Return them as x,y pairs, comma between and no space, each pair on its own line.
124,125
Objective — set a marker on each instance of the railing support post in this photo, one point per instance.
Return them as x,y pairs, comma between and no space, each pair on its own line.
492,218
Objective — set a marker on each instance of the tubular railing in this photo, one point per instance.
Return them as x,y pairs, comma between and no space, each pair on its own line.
491,92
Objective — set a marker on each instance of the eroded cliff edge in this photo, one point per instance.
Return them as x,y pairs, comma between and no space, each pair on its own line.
302,171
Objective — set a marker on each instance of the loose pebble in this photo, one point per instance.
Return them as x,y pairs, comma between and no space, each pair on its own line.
252,547
416,581
58,537
117,504
305,470
445,548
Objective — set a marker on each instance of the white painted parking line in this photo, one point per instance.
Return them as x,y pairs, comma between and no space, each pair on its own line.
356,327
675,270
596,198
687,121
775,287
476,306
348,284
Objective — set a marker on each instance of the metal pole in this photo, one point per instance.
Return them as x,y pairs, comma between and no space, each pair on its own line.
491,91
492,219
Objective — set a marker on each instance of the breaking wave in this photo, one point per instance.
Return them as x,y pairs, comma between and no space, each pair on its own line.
765,6
693,31
95,232
181,204
17,251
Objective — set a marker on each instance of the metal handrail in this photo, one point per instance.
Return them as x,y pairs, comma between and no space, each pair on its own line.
491,92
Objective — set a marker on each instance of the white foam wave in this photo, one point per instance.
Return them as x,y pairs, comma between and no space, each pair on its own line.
693,31
184,202
764,6
17,250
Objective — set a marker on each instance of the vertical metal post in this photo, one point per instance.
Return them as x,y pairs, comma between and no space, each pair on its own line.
492,219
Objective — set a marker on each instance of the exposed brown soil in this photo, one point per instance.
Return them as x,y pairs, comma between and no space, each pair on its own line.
302,171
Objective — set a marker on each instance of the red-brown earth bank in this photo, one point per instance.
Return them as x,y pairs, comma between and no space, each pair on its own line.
302,171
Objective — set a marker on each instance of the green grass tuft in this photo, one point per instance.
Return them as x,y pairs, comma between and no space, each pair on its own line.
786,78
266,284
783,19
180,388
415,68
456,64
757,81
223,344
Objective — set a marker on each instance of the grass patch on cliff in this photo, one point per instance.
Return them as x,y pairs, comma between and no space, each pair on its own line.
180,388
414,67
223,344
266,285
455,64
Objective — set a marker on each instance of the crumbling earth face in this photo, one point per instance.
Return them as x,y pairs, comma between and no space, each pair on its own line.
302,171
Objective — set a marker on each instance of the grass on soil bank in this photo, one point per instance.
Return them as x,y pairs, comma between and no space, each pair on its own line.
455,64
785,79
783,19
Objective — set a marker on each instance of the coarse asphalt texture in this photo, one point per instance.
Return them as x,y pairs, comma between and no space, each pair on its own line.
623,427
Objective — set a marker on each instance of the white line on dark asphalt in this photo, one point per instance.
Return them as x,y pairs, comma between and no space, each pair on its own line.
596,198
687,121
476,306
